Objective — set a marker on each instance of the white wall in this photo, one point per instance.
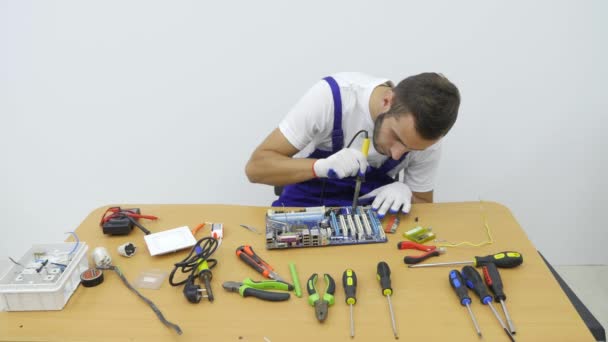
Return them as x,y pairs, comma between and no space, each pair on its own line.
163,102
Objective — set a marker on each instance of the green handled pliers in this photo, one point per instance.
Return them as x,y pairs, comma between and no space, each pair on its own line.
251,288
321,304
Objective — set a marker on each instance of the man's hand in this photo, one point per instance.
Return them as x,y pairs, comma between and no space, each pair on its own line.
394,196
344,163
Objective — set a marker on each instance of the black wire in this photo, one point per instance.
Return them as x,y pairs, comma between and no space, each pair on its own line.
139,225
322,194
355,136
156,310
122,214
190,263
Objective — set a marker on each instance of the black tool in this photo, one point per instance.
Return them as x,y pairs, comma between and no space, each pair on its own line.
349,280
494,282
502,260
321,305
383,274
461,291
250,288
474,282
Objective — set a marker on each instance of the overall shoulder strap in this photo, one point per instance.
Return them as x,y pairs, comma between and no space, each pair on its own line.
337,136
390,163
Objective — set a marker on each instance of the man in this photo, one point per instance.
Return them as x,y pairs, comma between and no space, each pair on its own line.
405,124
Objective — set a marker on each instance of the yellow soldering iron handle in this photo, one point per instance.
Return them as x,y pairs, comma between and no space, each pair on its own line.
365,146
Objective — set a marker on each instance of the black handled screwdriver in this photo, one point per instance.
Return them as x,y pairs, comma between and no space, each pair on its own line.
474,282
349,280
461,290
494,282
502,260
384,276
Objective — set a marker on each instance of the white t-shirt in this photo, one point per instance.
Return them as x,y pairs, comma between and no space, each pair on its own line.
309,125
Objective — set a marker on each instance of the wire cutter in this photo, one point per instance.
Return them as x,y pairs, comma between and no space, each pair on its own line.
251,288
431,251
247,254
321,304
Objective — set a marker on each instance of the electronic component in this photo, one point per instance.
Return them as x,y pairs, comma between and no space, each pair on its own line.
393,224
322,226
419,234
217,231
118,221
169,240
128,249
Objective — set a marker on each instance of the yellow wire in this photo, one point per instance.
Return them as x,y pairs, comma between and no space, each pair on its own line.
467,243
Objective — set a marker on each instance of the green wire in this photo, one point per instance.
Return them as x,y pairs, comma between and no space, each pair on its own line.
296,280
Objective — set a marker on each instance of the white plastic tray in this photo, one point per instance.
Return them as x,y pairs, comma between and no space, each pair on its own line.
22,288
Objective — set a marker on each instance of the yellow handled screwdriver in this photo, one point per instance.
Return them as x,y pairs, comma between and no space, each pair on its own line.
360,178
349,280
502,260
384,276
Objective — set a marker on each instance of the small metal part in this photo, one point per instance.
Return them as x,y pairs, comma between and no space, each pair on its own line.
250,228
502,324
321,310
217,231
474,320
507,317
390,307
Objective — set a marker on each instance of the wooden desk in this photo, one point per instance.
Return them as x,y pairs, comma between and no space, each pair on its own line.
426,309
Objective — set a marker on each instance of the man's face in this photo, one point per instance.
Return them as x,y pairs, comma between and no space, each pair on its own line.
396,135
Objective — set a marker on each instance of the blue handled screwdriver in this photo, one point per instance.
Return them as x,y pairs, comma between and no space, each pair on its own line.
475,283
461,290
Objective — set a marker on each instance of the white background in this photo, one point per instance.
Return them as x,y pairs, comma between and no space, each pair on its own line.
163,102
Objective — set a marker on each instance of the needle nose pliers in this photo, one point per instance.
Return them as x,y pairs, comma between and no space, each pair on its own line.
321,305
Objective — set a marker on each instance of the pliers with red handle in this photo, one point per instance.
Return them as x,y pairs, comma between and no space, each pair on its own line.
431,251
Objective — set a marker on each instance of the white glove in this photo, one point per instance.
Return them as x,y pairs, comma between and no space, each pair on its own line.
344,163
393,196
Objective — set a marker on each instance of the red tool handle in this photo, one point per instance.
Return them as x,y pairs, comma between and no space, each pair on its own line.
411,260
251,262
413,245
249,251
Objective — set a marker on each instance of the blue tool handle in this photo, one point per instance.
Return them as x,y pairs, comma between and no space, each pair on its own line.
459,287
475,283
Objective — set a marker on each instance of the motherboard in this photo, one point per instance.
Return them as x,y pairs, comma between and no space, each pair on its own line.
322,226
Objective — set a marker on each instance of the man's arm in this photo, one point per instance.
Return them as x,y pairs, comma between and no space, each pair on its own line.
422,197
272,163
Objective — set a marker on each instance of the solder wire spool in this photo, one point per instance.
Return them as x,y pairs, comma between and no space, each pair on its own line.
91,277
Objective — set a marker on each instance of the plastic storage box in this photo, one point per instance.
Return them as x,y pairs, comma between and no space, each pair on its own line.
39,285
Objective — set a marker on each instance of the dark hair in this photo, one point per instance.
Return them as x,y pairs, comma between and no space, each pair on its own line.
433,101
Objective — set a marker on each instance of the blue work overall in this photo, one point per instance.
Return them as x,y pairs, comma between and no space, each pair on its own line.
335,192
